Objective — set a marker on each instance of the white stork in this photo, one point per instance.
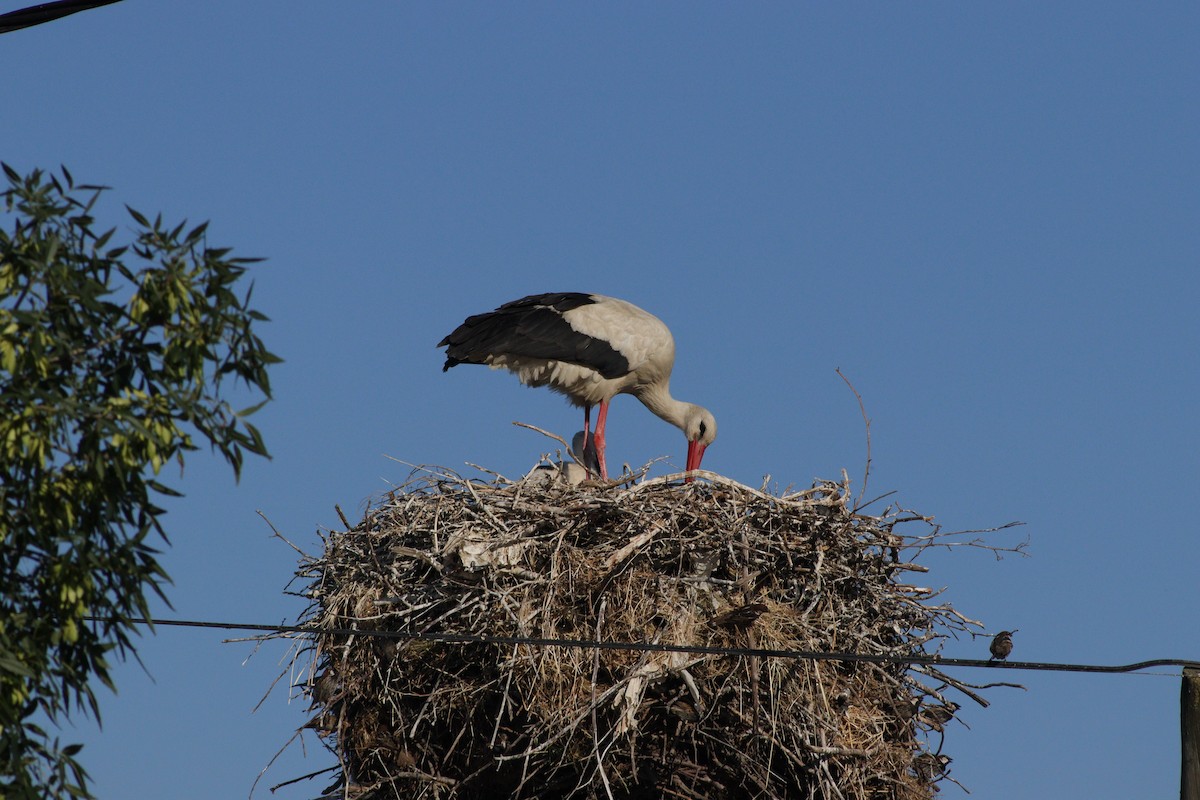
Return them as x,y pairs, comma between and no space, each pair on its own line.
590,348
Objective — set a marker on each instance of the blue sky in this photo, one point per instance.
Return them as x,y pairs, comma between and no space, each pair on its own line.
985,215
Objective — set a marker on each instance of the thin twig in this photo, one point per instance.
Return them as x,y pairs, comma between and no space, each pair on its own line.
867,425
280,536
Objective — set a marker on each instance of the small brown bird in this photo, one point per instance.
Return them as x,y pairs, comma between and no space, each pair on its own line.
740,617
1002,645
930,766
936,716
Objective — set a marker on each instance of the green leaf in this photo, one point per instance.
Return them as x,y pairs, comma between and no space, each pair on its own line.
15,667
245,412
138,217
96,395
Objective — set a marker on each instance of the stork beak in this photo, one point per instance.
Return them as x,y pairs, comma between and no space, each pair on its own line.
695,454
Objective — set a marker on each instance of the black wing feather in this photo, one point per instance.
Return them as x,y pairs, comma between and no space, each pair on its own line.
532,327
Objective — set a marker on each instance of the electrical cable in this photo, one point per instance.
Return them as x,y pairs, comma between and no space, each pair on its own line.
534,641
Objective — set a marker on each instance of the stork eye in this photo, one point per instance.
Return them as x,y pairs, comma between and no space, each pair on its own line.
702,428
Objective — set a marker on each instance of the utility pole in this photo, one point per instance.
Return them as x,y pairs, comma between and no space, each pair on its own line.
1189,728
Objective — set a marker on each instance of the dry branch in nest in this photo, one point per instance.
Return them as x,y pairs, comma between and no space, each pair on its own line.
714,564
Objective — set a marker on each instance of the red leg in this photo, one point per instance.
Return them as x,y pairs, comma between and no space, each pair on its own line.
601,418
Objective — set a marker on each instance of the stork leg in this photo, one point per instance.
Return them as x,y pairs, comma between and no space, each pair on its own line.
601,418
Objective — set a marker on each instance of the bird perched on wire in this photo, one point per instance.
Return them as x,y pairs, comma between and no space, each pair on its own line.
1001,645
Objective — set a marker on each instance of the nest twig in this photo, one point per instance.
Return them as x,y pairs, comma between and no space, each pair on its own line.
709,563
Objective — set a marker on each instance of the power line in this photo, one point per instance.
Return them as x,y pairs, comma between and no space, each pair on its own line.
46,12
805,655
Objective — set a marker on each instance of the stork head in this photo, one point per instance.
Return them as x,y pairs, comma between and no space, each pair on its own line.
700,427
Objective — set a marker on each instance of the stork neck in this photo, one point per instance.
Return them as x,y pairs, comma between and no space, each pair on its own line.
657,398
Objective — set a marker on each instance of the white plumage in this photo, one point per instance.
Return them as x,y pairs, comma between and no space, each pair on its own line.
589,348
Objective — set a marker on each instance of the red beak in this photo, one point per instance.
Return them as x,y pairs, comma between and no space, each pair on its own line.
695,453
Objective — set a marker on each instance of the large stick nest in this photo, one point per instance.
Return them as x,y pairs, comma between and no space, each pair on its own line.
712,564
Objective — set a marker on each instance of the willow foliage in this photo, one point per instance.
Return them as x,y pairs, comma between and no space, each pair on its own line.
115,360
